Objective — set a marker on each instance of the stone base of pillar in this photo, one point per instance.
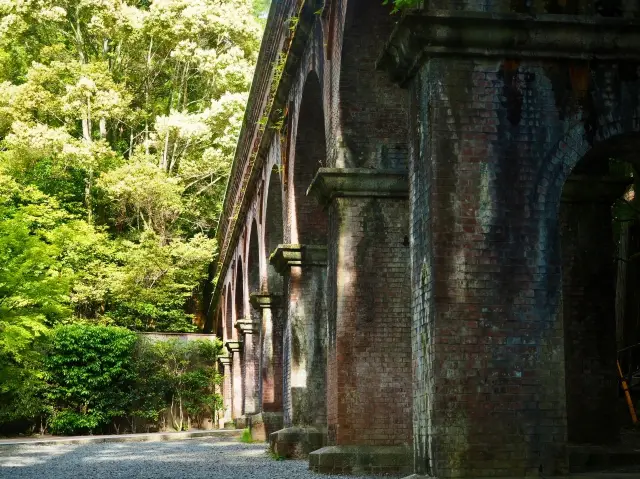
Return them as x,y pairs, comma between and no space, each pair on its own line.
240,422
263,424
296,442
229,424
377,460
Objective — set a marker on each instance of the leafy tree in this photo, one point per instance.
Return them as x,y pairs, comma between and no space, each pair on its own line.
126,114
118,124
181,378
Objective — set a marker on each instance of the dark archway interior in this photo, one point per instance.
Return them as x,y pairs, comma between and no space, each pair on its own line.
229,315
254,260
219,328
310,154
240,309
274,227
599,223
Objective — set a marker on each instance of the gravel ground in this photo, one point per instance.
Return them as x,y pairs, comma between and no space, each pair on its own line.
211,458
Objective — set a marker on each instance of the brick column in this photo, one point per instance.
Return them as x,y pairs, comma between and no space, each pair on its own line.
269,419
588,307
369,347
249,331
490,147
227,394
271,350
304,270
236,378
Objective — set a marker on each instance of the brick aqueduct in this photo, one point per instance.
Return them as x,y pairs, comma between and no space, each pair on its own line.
392,290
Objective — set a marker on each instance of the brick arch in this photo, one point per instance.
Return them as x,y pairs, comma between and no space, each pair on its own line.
372,109
573,147
578,250
273,223
228,301
253,257
239,290
218,326
308,220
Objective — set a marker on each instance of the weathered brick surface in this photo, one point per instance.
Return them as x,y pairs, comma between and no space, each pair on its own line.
306,345
270,353
497,356
494,142
369,394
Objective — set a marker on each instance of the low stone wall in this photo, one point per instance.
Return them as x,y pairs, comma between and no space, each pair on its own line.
180,336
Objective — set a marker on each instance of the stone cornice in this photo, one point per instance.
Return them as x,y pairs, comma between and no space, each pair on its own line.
330,183
224,360
233,346
286,256
421,35
265,300
247,326
594,189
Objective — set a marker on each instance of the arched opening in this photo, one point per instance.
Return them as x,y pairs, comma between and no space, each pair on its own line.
274,227
218,329
239,363
311,220
373,110
253,263
229,314
239,296
598,223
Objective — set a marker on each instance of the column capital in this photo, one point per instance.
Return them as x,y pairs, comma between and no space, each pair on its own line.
247,326
594,189
330,183
265,300
286,256
224,360
233,346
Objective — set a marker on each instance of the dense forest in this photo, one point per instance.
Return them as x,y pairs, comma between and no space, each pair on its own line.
118,123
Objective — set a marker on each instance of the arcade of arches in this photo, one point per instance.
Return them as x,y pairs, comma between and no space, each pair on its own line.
430,237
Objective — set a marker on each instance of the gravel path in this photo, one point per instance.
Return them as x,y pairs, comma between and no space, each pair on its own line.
211,458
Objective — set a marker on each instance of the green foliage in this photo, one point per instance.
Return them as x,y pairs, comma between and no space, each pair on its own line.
180,377
118,124
246,436
88,379
399,5
89,370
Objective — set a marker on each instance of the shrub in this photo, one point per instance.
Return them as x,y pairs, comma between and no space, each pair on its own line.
90,373
179,377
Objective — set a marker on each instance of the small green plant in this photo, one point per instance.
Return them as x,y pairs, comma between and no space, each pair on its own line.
246,436
399,5
274,455
293,23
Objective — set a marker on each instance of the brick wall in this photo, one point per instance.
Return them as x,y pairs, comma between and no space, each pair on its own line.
369,381
271,360
494,142
307,317
372,109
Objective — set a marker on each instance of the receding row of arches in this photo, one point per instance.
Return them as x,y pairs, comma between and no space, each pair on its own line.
306,221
